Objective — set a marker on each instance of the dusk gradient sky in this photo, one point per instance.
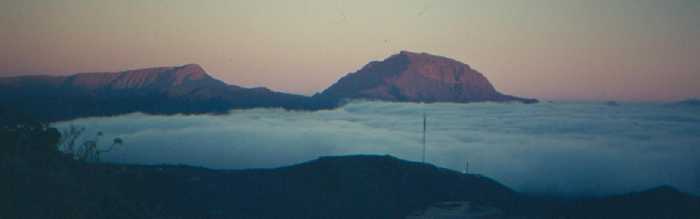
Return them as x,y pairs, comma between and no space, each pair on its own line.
549,49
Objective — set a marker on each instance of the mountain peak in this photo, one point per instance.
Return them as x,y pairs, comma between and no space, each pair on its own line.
406,52
417,54
189,72
417,77
421,55
191,69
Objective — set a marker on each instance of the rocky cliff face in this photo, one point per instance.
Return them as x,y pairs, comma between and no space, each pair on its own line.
417,77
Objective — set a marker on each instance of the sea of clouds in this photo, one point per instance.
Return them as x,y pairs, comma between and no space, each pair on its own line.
553,148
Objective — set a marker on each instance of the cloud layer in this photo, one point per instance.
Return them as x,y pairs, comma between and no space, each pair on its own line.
565,148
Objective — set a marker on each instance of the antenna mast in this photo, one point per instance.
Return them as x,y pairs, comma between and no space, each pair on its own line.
424,124
466,166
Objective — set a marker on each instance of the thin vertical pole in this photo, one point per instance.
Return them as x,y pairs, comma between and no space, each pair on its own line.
466,166
424,126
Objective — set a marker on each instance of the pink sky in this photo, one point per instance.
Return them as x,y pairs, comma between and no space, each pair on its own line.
548,49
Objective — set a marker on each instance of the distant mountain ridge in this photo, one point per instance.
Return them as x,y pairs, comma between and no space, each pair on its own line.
407,76
151,80
160,90
160,78
418,77
693,102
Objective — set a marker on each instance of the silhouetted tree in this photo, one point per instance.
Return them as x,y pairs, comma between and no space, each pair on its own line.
89,150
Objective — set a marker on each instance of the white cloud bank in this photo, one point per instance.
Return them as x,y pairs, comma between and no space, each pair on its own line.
569,148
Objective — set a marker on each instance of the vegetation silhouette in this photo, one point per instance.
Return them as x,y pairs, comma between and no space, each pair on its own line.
88,150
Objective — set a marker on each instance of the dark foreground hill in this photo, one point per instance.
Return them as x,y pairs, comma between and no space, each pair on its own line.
38,181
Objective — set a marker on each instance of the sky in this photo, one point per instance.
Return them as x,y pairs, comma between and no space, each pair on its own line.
634,50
